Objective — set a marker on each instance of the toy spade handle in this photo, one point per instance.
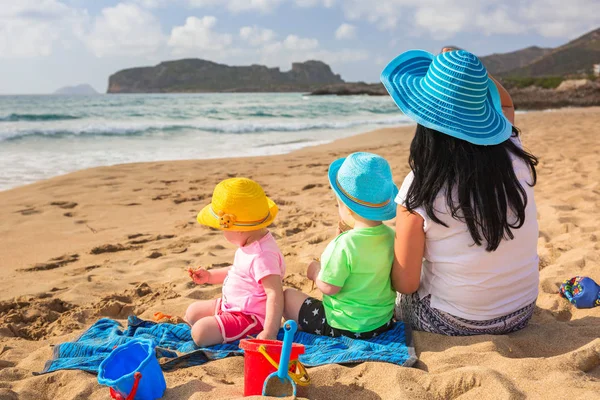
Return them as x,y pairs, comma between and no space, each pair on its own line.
289,328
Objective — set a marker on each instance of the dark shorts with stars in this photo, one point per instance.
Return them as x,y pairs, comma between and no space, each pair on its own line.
311,318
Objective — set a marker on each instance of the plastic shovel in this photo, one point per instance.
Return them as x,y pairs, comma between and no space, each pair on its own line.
279,383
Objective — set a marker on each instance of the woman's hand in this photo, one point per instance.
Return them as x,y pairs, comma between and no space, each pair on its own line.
200,276
313,270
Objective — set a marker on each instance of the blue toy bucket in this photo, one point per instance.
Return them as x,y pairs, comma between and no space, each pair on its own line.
118,371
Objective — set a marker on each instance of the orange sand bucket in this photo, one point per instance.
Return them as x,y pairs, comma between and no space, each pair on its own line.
257,367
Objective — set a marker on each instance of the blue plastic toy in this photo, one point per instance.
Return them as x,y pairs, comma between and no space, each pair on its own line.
132,372
581,291
276,384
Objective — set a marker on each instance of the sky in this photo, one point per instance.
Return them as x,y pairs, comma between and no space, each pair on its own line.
47,44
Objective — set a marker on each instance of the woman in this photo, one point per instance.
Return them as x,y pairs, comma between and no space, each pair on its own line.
466,231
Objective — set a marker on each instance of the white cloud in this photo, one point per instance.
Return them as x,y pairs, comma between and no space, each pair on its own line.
345,31
340,56
30,28
383,13
441,23
293,42
498,22
197,35
125,30
296,49
152,3
256,36
443,19
558,18
314,3
203,3
264,6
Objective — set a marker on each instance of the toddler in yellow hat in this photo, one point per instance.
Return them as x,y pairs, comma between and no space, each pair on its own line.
252,299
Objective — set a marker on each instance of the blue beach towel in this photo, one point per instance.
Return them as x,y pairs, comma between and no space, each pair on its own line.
175,348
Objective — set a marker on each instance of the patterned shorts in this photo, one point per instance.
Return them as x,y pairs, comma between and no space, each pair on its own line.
311,318
422,317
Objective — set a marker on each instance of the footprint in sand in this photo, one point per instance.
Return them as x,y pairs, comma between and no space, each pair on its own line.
66,205
180,200
292,231
318,239
282,202
28,211
140,239
155,254
219,265
33,317
112,248
81,271
312,186
53,263
549,286
161,197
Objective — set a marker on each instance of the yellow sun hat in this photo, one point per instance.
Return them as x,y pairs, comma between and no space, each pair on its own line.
238,204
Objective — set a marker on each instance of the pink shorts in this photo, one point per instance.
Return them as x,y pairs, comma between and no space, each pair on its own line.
236,325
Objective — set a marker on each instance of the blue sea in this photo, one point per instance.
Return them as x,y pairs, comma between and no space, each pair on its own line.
45,136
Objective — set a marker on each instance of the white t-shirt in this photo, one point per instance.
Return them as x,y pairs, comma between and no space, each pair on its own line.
469,282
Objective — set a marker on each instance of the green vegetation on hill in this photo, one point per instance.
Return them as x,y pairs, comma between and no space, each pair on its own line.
573,58
499,63
547,82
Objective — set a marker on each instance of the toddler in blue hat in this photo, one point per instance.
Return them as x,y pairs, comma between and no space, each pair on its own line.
354,271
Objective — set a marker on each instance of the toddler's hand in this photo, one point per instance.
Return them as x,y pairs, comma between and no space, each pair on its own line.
313,270
200,276
342,227
264,335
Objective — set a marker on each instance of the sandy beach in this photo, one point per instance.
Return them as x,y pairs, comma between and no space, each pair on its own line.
115,241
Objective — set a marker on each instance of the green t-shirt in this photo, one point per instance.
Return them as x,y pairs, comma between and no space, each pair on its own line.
360,262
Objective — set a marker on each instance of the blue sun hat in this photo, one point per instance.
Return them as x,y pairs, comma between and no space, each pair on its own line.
450,93
363,182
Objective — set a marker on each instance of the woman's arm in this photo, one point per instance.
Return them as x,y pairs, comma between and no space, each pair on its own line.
508,107
274,291
409,247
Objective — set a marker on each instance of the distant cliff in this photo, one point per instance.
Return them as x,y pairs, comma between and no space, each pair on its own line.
352,89
197,76
84,89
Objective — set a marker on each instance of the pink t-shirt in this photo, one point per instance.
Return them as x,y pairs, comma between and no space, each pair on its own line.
242,290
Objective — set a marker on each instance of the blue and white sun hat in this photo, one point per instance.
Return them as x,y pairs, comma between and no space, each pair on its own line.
450,92
363,182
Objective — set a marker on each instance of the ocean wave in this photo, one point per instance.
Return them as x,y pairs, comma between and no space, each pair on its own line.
237,127
37,117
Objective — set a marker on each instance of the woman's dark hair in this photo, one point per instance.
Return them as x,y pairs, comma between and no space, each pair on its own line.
479,182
